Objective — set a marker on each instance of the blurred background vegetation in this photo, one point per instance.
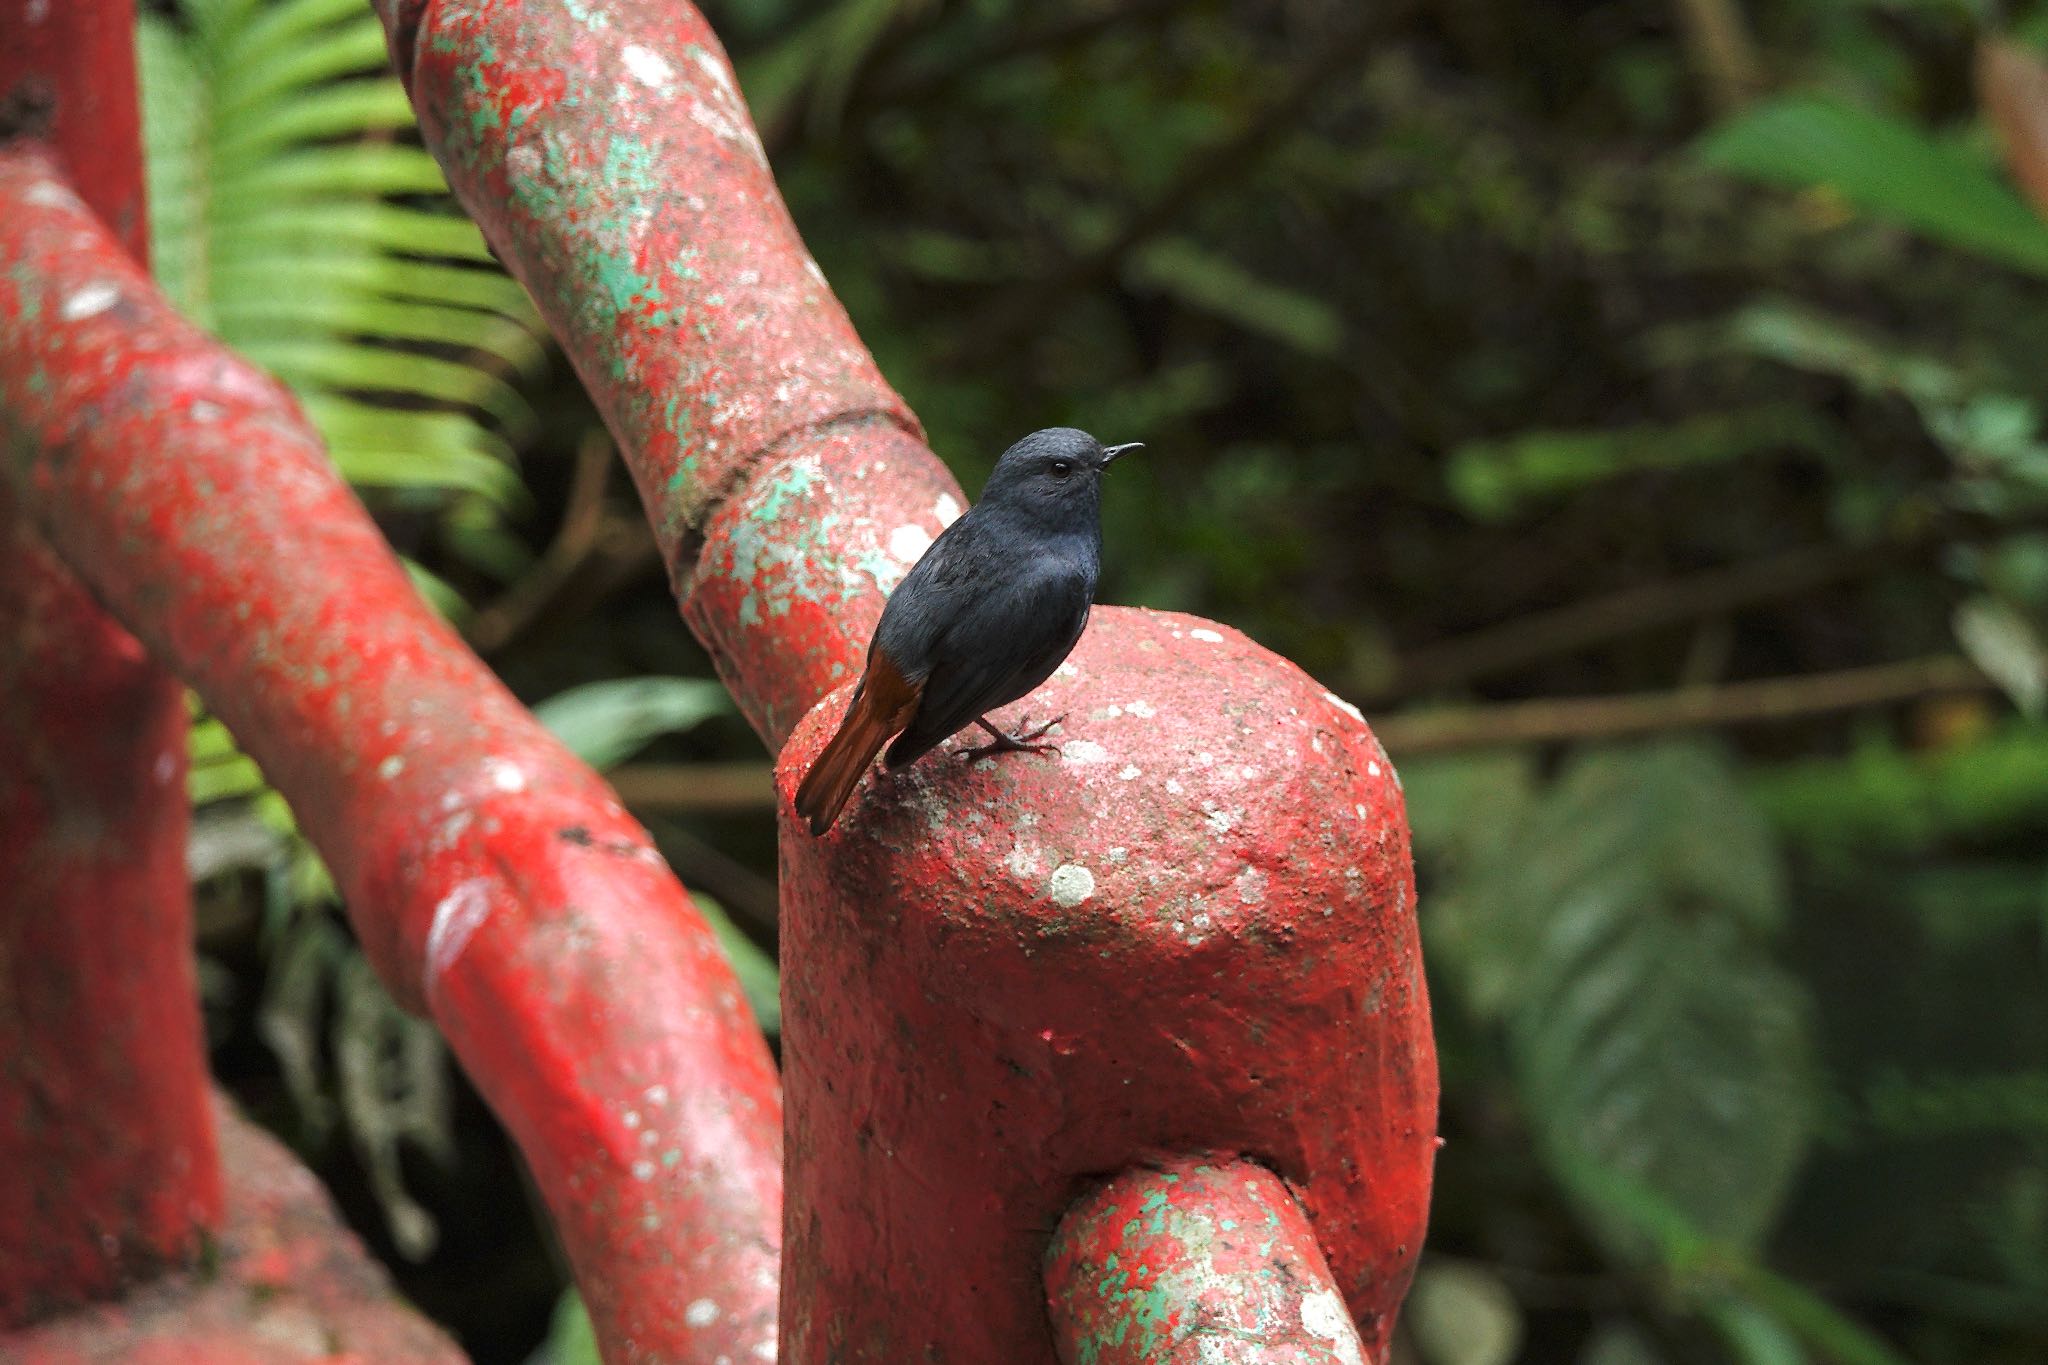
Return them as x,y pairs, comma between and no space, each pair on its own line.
1635,406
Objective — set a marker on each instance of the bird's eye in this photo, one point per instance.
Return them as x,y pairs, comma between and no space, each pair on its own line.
1062,468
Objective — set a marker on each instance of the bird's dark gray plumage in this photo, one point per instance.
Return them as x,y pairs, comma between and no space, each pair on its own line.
983,617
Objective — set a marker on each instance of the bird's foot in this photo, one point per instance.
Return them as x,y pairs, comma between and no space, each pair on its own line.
1020,743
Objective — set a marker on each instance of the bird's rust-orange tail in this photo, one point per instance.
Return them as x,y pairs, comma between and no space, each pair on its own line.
882,705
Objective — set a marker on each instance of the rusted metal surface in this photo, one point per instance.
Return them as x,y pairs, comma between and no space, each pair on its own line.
107,1164
603,148
1194,1263
287,1284
492,877
1194,931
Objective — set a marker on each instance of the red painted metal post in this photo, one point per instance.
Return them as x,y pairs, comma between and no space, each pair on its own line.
1188,1263
1194,932
491,876
108,1170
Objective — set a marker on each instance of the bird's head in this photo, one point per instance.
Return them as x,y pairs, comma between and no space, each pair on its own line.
1053,474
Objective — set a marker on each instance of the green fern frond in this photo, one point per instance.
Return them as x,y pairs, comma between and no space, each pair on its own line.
292,219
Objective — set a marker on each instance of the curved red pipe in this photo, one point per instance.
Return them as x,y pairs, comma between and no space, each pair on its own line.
491,876
108,1169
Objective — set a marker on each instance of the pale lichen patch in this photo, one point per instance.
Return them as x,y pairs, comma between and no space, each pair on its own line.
648,67
1070,884
89,301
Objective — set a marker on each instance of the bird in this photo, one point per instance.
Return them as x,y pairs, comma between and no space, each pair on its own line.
990,609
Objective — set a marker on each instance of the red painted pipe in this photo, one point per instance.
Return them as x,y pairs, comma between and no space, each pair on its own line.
1193,932
492,877
108,1170
1194,1263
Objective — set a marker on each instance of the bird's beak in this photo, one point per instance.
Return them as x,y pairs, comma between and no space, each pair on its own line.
1110,453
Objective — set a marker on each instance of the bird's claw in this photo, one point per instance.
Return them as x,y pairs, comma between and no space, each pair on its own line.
1020,743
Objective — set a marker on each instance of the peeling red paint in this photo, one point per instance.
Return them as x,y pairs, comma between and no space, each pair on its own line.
492,877
106,1140
604,150
288,1284
1203,1262
1193,932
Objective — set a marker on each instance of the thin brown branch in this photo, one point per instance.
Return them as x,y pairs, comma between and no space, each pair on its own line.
1576,625
1723,54
1744,703
509,615
698,788
745,894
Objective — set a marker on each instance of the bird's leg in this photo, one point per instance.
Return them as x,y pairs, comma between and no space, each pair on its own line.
1000,743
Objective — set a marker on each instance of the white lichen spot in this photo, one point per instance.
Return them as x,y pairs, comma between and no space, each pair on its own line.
1023,861
908,543
1205,759
1118,856
1129,771
1359,811
48,196
1372,770
1141,709
457,917
1208,636
1219,821
1083,751
1173,787
643,1170
391,767
655,1094
631,1118
649,67
505,775
1346,707
165,768
1251,885
1070,884
1066,670
90,301
1323,1315
37,11
946,509
701,1313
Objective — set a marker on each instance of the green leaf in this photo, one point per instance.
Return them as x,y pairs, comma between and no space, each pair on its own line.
760,981
1461,1314
606,723
571,1341
1614,929
1886,167
1214,283
1884,796
1496,479
2008,648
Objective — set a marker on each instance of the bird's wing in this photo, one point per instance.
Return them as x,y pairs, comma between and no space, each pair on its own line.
996,648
